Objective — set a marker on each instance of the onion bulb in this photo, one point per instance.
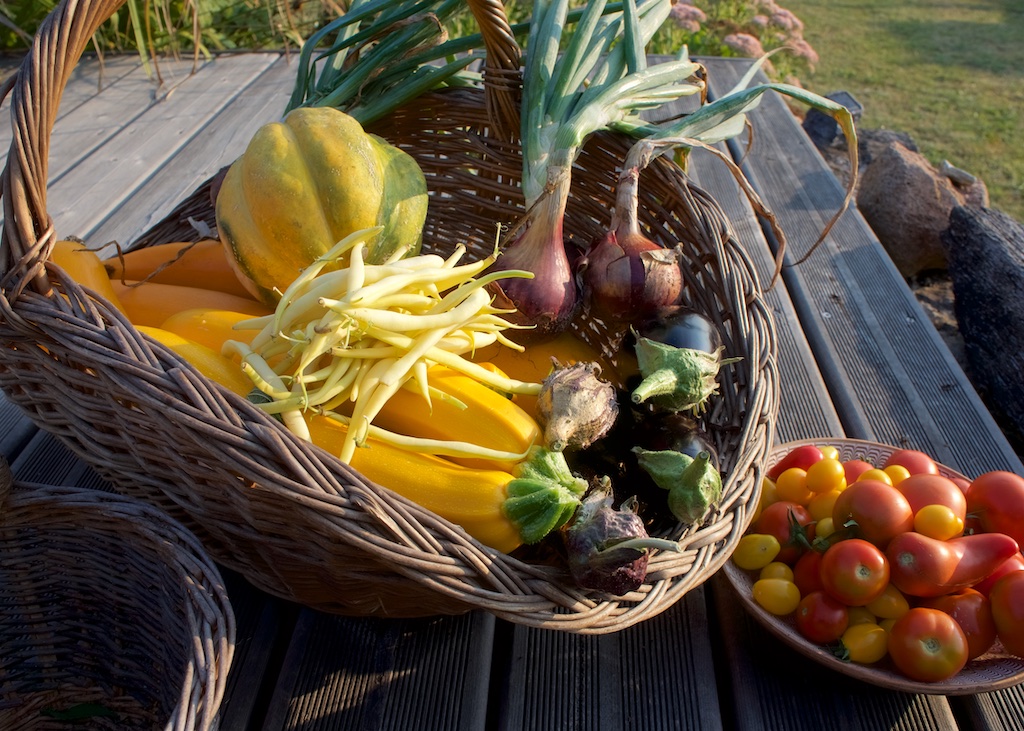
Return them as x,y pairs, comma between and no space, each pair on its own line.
626,276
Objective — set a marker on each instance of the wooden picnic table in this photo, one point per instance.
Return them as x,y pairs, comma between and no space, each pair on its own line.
857,354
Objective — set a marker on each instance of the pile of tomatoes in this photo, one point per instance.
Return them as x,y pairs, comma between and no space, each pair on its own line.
894,560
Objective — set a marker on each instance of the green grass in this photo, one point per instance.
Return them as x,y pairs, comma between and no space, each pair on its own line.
949,74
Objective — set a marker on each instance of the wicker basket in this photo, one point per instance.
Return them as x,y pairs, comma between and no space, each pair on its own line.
293,519
108,610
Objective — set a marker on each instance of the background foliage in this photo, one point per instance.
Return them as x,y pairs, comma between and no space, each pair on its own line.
948,74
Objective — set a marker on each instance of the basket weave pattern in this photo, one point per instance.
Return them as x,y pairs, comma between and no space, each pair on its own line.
105,601
293,519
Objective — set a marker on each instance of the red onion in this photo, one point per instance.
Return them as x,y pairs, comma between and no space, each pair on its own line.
549,300
626,276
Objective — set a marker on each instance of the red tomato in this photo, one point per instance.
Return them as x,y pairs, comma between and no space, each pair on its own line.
916,462
927,645
880,511
802,457
962,482
807,573
855,468
924,489
926,567
1007,599
997,500
854,571
820,618
777,520
1013,563
972,611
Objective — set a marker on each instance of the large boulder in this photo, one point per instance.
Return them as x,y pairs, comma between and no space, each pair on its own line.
985,250
907,203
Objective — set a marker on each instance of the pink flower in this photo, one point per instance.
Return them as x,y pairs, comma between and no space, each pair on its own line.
768,6
687,16
802,49
759,21
785,19
744,44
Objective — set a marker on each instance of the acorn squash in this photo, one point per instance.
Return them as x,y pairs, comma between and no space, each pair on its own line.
305,183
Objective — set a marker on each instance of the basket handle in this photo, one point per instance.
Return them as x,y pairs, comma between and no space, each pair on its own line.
503,79
28,235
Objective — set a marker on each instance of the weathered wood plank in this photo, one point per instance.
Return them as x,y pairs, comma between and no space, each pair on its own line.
889,372
805,406
15,429
217,144
370,673
88,79
658,674
83,196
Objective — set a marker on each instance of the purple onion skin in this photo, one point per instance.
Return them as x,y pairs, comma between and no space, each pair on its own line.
549,301
614,570
627,277
607,548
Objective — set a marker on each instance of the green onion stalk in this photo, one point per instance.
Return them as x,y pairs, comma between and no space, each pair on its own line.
597,80
381,54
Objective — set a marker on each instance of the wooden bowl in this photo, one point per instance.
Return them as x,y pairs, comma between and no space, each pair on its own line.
994,670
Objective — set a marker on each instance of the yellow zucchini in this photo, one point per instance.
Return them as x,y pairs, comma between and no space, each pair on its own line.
151,303
478,415
84,266
207,361
209,327
200,264
470,498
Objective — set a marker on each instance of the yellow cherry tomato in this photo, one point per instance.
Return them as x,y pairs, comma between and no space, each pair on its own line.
865,642
824,527
938,522
897,473
829,452
820,506
755,551
777,596
826,475
792,485
875,474
861,615
776,570
886,624
890,605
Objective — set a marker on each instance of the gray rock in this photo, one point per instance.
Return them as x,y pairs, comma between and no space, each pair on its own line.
907,204
985,250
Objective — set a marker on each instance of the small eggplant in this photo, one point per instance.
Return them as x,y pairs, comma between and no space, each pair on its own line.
679,356
677,432
694,484
608,549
